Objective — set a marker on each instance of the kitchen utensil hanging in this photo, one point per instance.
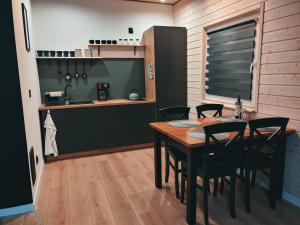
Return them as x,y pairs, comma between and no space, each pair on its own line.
76,74
59,68
68,75
84,74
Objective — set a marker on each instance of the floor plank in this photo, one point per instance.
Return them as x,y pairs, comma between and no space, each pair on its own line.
118,189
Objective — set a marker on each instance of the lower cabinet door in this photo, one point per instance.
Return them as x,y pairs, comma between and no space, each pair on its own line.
64,135
110,126
84,129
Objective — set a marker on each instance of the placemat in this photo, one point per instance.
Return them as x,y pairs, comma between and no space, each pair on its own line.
184,123
228,119
199,134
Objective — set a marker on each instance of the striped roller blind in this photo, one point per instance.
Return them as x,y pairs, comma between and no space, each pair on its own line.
230,53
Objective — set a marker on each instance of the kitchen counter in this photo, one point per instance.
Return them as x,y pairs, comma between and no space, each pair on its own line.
95,104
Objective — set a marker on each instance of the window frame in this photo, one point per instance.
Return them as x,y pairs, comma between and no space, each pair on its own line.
253,14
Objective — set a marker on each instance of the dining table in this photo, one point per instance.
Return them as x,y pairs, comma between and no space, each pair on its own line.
180,138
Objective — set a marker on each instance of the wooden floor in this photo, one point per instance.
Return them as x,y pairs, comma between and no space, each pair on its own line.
118,189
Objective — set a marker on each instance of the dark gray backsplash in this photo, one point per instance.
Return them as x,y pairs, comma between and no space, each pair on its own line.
122,74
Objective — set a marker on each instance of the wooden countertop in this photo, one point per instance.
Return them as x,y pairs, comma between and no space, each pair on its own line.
95,104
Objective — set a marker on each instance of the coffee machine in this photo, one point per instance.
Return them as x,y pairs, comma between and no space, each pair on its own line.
102,91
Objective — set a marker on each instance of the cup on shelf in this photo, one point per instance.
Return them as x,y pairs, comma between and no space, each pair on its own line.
46,53
72,53
103,42
52,53
66,53
92,42
108,42
131,41
59,53
78,53
39,53
125,42
98,42
88,52
95,52
120,41
114,42
137,41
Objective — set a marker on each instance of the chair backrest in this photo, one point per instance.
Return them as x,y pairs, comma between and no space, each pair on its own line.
269,144
174,113
209,107
223,155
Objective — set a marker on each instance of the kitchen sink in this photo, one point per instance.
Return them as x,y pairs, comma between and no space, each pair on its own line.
81,102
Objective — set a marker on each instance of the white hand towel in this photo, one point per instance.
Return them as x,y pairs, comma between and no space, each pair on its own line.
50,142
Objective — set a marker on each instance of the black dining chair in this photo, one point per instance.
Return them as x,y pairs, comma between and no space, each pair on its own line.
217,109
220,158
209,107
262,153
168,114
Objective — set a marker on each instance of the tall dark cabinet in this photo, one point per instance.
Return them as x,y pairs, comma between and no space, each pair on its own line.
166,65
15,188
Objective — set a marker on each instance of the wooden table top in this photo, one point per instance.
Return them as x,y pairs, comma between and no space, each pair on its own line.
181,134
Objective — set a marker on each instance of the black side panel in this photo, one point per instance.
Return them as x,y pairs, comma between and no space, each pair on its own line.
171,63
84,129
15,188
32,165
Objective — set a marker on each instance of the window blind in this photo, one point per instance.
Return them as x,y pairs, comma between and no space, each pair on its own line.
230,53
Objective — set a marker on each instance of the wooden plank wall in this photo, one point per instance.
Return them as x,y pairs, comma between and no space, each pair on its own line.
279,89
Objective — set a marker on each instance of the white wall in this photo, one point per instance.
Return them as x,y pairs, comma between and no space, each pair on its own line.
69,24
28,80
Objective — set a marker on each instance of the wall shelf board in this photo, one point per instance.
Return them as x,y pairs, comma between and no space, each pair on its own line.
41,57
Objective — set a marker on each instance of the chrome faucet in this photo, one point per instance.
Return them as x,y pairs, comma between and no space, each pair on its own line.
67,95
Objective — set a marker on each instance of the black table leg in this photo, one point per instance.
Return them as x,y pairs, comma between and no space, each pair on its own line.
157,161
191,188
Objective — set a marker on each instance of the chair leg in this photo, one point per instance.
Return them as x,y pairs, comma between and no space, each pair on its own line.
176,178
271,190
222,185
205,201
232,196
167,158
253,178
182,185
247,190
216,182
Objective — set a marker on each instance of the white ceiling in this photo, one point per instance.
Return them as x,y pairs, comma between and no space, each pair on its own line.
171,2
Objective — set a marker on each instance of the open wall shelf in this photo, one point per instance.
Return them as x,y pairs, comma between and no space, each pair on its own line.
74,58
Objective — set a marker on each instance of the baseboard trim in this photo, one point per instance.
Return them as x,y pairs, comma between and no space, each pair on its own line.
285,195
291,199
17,210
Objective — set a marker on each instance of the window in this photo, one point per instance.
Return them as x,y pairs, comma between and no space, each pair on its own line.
229,61
231,55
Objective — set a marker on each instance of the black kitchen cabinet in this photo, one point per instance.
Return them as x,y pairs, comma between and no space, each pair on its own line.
110,126
96,128
83,129
63,123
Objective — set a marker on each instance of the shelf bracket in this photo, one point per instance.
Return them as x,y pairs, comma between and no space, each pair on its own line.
134,50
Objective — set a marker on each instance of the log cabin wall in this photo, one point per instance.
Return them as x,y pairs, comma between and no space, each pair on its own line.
279,77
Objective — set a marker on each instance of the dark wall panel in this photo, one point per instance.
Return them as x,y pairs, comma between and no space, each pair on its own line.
15,188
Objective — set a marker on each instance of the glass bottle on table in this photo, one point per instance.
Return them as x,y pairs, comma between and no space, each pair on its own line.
238,108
